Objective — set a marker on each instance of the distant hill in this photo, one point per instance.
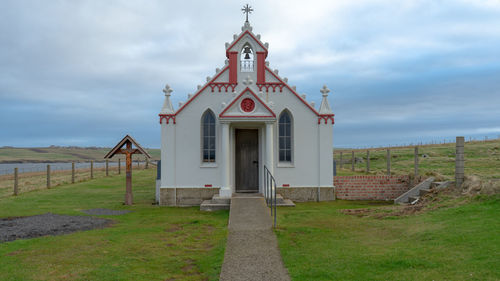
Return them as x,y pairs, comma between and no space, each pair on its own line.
60,154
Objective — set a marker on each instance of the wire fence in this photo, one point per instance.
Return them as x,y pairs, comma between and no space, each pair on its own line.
482,158
16,180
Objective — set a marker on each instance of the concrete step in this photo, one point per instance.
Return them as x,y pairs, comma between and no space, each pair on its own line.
424,191
440,184
209,205
220,200
281,202
413,199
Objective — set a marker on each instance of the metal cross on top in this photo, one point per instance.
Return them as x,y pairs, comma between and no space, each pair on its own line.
127,141
247,10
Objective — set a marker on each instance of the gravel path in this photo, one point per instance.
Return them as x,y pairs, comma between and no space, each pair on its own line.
46,224
105,212
252,248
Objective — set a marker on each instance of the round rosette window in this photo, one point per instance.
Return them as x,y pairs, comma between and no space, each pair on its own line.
247,105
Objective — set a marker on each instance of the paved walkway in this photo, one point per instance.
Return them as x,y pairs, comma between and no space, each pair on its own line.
252,248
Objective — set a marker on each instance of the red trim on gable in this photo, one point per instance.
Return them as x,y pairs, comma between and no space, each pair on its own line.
261,71
233,67
167,117
326,117
291,90
201,90
208,185
239,38
239,96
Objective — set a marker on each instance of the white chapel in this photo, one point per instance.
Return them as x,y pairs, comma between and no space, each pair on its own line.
244,119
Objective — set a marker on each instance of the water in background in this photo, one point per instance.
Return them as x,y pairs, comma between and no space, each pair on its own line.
6,169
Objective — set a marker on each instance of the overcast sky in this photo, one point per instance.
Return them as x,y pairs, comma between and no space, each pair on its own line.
87,72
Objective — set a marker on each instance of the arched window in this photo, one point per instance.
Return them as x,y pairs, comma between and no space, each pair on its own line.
247,56
285,137
208,136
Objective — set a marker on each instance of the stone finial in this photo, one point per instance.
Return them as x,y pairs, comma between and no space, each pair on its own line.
313,104
227,45
167,107
325,91
324,108
248,81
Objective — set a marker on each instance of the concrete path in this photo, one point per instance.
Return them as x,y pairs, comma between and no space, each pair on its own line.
252,248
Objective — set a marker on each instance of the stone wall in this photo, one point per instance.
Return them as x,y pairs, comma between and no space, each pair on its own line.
370,187
307,194
186,196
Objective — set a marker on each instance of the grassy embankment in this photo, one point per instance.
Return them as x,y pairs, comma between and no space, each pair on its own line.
481,159
60,154
318,242
151,243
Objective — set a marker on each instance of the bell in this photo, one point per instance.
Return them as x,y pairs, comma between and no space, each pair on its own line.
247,52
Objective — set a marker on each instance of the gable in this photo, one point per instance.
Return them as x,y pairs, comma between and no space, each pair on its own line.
247,105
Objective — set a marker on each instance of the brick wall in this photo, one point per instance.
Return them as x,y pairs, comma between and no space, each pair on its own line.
370,187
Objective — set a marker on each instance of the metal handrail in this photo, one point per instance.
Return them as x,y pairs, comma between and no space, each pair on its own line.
270,192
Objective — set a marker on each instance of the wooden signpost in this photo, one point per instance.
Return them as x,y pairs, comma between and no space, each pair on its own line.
127,141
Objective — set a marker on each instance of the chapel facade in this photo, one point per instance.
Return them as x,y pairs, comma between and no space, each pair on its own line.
244,118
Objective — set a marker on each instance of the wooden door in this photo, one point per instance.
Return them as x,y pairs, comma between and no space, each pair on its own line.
247,160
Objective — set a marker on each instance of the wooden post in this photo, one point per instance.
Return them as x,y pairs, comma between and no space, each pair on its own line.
72,172
147,163
107,167
341,160
16,182
128,172
138,164
48,176
119,166
459,162
367,161
388,162
91,169
416,165
352,161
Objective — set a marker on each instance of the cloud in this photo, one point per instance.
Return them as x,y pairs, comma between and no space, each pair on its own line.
85,72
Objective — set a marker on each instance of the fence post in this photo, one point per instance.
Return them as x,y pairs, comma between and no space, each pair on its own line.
388,162
91,169
107,166
16,182
367,161
459,162
48,176
119,166
341,160
72,172
147,163
416,165
352,161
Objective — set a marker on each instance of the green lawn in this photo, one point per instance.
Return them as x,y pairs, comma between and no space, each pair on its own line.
481,159
151,243
318,242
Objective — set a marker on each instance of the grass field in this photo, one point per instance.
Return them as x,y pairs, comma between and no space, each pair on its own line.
59,154
151,243
481,159
318,242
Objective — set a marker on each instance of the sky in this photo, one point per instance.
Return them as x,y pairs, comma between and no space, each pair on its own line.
85,73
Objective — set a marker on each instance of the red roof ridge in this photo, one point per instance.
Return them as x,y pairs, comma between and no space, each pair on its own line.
292,90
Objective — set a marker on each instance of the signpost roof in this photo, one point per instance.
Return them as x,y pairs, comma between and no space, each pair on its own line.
117,148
